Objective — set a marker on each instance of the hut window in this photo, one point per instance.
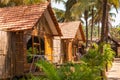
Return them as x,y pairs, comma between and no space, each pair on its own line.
35,46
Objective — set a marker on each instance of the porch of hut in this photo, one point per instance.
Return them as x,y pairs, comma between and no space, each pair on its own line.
72,40
26,31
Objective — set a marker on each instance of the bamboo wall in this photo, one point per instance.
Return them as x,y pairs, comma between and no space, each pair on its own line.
19,53
11,54
5,59
57,55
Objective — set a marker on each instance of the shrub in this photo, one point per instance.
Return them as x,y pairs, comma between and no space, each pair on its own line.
89,69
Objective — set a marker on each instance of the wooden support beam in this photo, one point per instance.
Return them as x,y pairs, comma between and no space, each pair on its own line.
70,56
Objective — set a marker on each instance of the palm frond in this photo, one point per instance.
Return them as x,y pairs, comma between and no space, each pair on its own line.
49,70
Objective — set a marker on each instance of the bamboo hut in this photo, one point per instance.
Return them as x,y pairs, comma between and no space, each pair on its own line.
22,30
71,41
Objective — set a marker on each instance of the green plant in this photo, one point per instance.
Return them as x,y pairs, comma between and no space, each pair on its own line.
108,53
89,69
49,70
30,54
98,61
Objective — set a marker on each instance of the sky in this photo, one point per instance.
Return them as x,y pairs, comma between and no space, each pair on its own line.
57,5
117,18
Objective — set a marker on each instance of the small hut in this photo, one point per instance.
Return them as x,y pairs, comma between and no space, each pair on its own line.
25,29
71,41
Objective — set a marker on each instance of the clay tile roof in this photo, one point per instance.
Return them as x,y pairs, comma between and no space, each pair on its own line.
69,29
21,17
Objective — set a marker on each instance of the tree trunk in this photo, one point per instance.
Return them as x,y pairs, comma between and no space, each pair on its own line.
86,19
104,21
103,32
49,0
92,24
98,30
107,26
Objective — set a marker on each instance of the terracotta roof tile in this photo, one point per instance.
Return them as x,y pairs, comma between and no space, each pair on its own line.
69,29
21,17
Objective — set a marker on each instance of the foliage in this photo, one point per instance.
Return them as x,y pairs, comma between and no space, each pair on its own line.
79,72
49,69
33,1
115,32
30,54
89,68
30,77
108,54
59,14
99,60
5,3
95,31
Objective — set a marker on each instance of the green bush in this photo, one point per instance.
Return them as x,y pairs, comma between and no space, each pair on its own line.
89,69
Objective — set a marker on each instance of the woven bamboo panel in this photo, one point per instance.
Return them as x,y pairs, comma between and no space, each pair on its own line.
19,53
4,57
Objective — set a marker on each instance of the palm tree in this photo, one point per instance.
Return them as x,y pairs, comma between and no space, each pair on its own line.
4,3
75,8
84,9
60,14
104,29
92,11
104,19
99,13
86,19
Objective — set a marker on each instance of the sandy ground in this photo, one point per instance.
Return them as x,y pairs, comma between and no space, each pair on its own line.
114,72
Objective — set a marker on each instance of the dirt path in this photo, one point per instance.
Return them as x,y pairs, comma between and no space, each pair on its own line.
114,72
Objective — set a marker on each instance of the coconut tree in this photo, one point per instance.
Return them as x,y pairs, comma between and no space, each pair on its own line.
68,5
104,15
104,19
104,29
75,9
99,13
4,3
85,10
60,14
92,12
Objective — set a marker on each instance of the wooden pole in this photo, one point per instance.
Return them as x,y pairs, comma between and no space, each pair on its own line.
70,51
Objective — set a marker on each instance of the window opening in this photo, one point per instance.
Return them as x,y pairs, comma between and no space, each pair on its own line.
35,46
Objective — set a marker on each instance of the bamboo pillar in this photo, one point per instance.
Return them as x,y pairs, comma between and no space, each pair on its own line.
70,56
74,55
19,55
48,47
